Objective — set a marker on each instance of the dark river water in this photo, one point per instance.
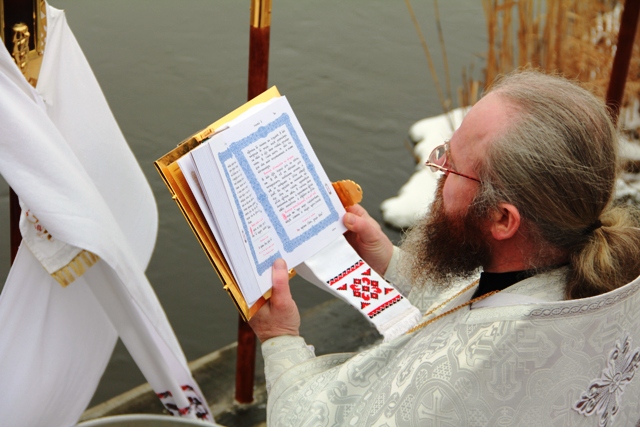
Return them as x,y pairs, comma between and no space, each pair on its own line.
353,71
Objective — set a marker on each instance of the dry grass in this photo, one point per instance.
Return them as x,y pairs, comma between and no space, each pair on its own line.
574,38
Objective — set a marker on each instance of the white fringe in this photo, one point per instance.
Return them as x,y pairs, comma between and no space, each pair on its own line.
400,324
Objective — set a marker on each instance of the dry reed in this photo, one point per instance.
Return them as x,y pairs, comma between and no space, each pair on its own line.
573,38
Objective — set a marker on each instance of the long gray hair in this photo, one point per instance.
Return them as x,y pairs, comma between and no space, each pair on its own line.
557,162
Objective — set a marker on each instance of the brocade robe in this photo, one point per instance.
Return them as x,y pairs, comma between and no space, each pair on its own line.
522,357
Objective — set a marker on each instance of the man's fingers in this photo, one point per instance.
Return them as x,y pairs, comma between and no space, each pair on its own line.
280,278
357,210
280,315
363,226
355,213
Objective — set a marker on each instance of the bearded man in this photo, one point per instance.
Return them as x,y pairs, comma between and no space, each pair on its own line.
548,335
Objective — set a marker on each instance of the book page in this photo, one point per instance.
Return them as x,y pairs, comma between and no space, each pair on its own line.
284,204
190,172
213,199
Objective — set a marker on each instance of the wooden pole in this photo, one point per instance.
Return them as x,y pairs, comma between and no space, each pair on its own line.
624,48
15,237
14,12
259,47
258,75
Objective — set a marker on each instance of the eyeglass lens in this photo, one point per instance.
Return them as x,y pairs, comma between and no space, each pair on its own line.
438,157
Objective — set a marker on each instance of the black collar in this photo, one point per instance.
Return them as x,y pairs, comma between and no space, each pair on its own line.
490,282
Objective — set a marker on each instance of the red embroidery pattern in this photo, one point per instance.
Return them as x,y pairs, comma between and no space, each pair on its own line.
365,288
195,404
384,306
35,222
348,271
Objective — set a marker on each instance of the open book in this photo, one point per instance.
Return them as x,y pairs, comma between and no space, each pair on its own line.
253,190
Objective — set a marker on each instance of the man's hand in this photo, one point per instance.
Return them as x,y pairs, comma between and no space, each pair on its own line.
367,238
279,316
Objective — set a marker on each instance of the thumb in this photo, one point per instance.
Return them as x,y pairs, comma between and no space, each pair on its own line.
367,230
280,279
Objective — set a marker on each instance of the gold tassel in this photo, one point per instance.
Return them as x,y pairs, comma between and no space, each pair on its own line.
76,268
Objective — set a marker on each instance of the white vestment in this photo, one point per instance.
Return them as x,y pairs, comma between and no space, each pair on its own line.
65,157
527,358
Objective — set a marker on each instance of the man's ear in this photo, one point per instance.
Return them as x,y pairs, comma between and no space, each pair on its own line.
505,221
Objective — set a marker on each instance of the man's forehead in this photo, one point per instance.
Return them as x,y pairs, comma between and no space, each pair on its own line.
484,121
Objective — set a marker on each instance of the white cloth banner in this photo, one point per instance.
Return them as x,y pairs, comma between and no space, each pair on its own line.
55,343
64,155
339,270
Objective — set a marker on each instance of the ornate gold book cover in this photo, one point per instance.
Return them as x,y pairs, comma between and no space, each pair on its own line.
348,192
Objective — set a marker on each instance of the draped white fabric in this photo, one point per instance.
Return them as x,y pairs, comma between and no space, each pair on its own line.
55,343
64,155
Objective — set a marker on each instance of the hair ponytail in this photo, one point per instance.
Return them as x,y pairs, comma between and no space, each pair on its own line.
609,256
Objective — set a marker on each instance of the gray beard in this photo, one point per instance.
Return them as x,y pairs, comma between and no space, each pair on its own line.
443,249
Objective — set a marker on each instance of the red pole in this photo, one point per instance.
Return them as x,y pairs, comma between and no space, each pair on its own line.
624,48
259,47
14,221
16,11
258,75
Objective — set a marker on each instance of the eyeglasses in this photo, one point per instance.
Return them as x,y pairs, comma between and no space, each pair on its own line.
439,157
